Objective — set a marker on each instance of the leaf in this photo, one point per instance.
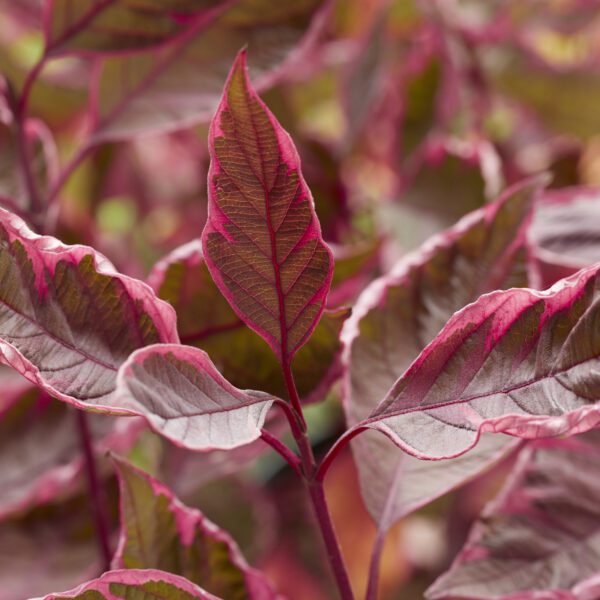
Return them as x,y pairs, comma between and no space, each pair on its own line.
29,477
539,537
68,320
262,241
158,532
519,361
183,396
399,314
135,584
206,320
93,27
180,83
565,232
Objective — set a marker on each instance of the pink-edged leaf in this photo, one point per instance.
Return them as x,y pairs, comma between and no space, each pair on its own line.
399,314
114,26
159,532
566,232
539,538
134,584
180,83
182,395
29,477
205,320
67,319
520,361
262,241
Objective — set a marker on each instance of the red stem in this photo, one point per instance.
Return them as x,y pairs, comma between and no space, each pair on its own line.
335,450
374,566
315,487
290,384
283,450
96,492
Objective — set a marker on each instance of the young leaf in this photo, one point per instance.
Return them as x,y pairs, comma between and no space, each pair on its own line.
539,538
180,83
205,320
565,232
158,532
29,477
111,26
183,396
134,584
262,241
67,319
519,361
399,314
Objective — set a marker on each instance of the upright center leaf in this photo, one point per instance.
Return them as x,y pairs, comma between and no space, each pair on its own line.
262,241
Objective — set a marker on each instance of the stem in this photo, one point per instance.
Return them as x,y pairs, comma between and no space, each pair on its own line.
315,487
335,450
336,560
283,450
290,384
374,566
95,489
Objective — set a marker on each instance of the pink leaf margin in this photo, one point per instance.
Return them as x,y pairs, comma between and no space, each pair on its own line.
216,220
132,577
44,253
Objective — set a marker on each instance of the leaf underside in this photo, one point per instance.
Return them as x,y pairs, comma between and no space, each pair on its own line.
183,396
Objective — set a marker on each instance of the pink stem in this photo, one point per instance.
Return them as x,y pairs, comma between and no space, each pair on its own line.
283,450
315,488
96,492
335,450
